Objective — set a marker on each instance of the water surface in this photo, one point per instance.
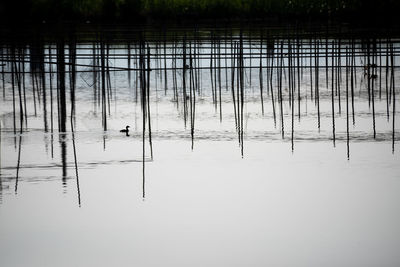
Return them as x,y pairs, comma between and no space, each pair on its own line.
266,149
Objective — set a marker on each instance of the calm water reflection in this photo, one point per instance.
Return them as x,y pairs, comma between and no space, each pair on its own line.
243,148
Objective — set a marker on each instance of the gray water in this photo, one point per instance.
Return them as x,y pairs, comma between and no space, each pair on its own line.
225,185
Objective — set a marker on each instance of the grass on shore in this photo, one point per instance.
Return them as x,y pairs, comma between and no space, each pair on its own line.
139,10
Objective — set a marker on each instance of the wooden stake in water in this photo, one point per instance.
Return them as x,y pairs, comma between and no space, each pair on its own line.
184,67
241,93
23,86
394,96
311,69
43,81
347,104
333,96
2,73
129,63
280,91
233,56
368,67
317,82
61,82
338,75
271,54
75,158
219,80
13,89
51,102
103,87
21,109
148,99
143,94
94,73
211,68
372,80
298,79
192,95
165,63
387,83
326,59
261,77
291,88
352,81
33,88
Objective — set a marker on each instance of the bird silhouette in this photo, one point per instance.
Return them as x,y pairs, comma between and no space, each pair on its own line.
126,130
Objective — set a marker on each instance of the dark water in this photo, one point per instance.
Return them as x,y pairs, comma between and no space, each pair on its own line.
243,148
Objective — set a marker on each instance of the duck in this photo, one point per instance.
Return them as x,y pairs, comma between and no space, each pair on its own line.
126,130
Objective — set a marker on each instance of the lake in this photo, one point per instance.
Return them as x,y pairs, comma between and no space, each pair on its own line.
246,147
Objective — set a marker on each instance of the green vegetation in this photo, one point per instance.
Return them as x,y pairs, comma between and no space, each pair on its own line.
140,10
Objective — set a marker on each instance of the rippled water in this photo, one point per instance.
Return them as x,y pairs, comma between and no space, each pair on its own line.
290,189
